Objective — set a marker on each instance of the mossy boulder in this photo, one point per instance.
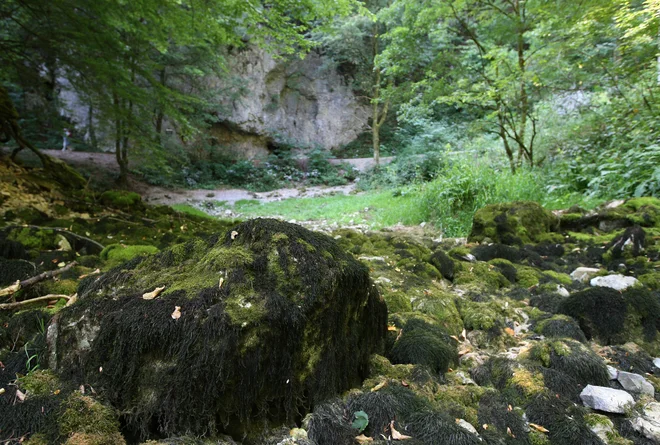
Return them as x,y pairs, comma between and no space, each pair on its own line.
513,223
613,317
253,327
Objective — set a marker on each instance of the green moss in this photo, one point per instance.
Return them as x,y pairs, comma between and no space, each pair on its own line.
441,305
116,254
37,439
459,252
121,199
551,237
638,203
528,276
530,383
396,300
595,239
571,358
560,326
481,275
35,239
559,277
538,438
84,415
651,279
62,287
39,383
512,223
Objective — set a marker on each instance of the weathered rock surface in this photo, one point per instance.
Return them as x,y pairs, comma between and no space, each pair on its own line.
635,383
616,281
258,324
584,274
606,399
648,424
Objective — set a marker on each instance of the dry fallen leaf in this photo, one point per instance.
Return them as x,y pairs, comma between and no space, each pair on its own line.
56,392
539,428
391,328
404,383
508,431
19,395
177,312
153,294
2,391
363,439
397,435
509,408
82,389
234,234
464,334
381,385
485,426
222,280
510,331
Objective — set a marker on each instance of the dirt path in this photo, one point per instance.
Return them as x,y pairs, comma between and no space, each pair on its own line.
104,163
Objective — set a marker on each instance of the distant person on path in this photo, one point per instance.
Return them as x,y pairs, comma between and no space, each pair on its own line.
65,139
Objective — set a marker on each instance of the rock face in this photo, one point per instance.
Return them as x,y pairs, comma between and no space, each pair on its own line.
305,101
300,102
254,326
606,399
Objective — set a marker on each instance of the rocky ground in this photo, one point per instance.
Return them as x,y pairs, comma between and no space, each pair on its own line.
159,327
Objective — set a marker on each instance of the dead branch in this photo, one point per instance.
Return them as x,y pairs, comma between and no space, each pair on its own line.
10,306
36,279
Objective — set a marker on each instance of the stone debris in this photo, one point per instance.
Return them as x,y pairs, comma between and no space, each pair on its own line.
605,399
616,281
635,383
584,274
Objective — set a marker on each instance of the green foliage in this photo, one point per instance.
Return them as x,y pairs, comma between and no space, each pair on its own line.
361,421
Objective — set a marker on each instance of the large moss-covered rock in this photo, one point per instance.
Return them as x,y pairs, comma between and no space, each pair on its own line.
513,223
252,327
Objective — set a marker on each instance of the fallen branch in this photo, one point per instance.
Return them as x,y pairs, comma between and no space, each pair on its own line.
59,230
10,306
30,281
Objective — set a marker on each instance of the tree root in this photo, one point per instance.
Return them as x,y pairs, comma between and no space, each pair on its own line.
18,304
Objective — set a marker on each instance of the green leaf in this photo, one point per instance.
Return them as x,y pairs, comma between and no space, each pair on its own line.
361,421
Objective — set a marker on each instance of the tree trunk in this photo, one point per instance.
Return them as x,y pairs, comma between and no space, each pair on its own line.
524,103
90,127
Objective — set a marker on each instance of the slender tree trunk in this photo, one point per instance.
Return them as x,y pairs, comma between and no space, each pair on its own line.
90,127
160,116
505,141
120,141
524,102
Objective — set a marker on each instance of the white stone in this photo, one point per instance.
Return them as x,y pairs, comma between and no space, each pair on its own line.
648,424
656,362
561,290
616,281
612,372
583,274
606,399
466,426
635,383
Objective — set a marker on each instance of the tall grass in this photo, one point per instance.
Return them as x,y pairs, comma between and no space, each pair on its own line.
451,199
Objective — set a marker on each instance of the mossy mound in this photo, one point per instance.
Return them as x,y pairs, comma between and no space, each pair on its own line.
614,317
115,254
14,270
572,358
423,343
201,356
512,223
121,199
560,326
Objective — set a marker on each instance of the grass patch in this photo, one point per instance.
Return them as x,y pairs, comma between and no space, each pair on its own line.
190,210
376,209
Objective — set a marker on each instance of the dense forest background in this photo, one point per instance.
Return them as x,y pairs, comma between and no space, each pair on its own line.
479,100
